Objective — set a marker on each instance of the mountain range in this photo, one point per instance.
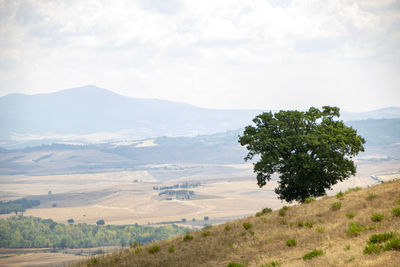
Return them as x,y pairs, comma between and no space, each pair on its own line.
89,113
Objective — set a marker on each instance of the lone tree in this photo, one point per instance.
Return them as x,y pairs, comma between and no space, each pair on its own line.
311,151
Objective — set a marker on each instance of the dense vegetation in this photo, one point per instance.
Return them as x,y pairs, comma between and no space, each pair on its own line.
19,205
32,232
179,194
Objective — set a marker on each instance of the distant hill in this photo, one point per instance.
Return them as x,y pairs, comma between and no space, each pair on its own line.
90,114
90,109
359,228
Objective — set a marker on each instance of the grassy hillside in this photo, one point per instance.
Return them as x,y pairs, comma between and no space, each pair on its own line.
338,227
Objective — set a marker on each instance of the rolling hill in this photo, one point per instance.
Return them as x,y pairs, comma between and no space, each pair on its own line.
360,227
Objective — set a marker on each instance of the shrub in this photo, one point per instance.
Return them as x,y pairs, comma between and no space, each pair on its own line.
266,210
71,221
205,233
291,242
347,247
355,229
370,196
336,206
272,264
372,248
282,212
393,244
135,244
309,200
312,254
154,249
138,250
247,225
353,189
300,223
285,208
398,201
171,249
234,264
227,227
396,212
187,237
379,238
258,214
350,215
340,194
377,217
320,230
309,224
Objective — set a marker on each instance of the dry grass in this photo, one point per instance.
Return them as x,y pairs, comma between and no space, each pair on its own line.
266,240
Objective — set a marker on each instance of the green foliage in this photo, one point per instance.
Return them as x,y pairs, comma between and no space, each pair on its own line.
320,230
234,264
205,233
396,212
272,264
312,254
282,211
300,223
336,206
347,247
70,221
355,229
247,225
171,249
154,249
19,205
309,224
188,237
377,217
393,244
32,232
266,210
227,227
291,242
93,261
370,196
350,215
372,248
353,189
309,200
379,238
311,151
340,194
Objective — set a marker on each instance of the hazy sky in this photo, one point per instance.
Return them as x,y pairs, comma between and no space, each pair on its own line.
260,54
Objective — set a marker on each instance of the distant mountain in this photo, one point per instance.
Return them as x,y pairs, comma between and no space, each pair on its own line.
89,113
90,109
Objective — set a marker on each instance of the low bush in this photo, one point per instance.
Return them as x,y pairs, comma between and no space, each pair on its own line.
340,194
393,244
247,225
205,233
282,212
312,254
370,196
234,264
188,237
171,249
154,249
320,230
350,215
309,224
309,200
336,206
396,212
372,248
266,210
355,229
291,242
227,227
353,189
377,217
272,264
379,238
300,223
347,247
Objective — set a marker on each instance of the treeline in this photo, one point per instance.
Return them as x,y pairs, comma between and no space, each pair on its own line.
180,194
19,205
184,185
32,232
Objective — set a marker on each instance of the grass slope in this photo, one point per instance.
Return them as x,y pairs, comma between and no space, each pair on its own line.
318,233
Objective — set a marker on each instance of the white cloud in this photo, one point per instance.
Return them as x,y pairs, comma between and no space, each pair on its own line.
228,53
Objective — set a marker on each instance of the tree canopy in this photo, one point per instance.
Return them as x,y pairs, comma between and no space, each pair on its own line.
311,151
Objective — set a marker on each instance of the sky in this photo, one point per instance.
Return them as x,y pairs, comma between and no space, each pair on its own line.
248,54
